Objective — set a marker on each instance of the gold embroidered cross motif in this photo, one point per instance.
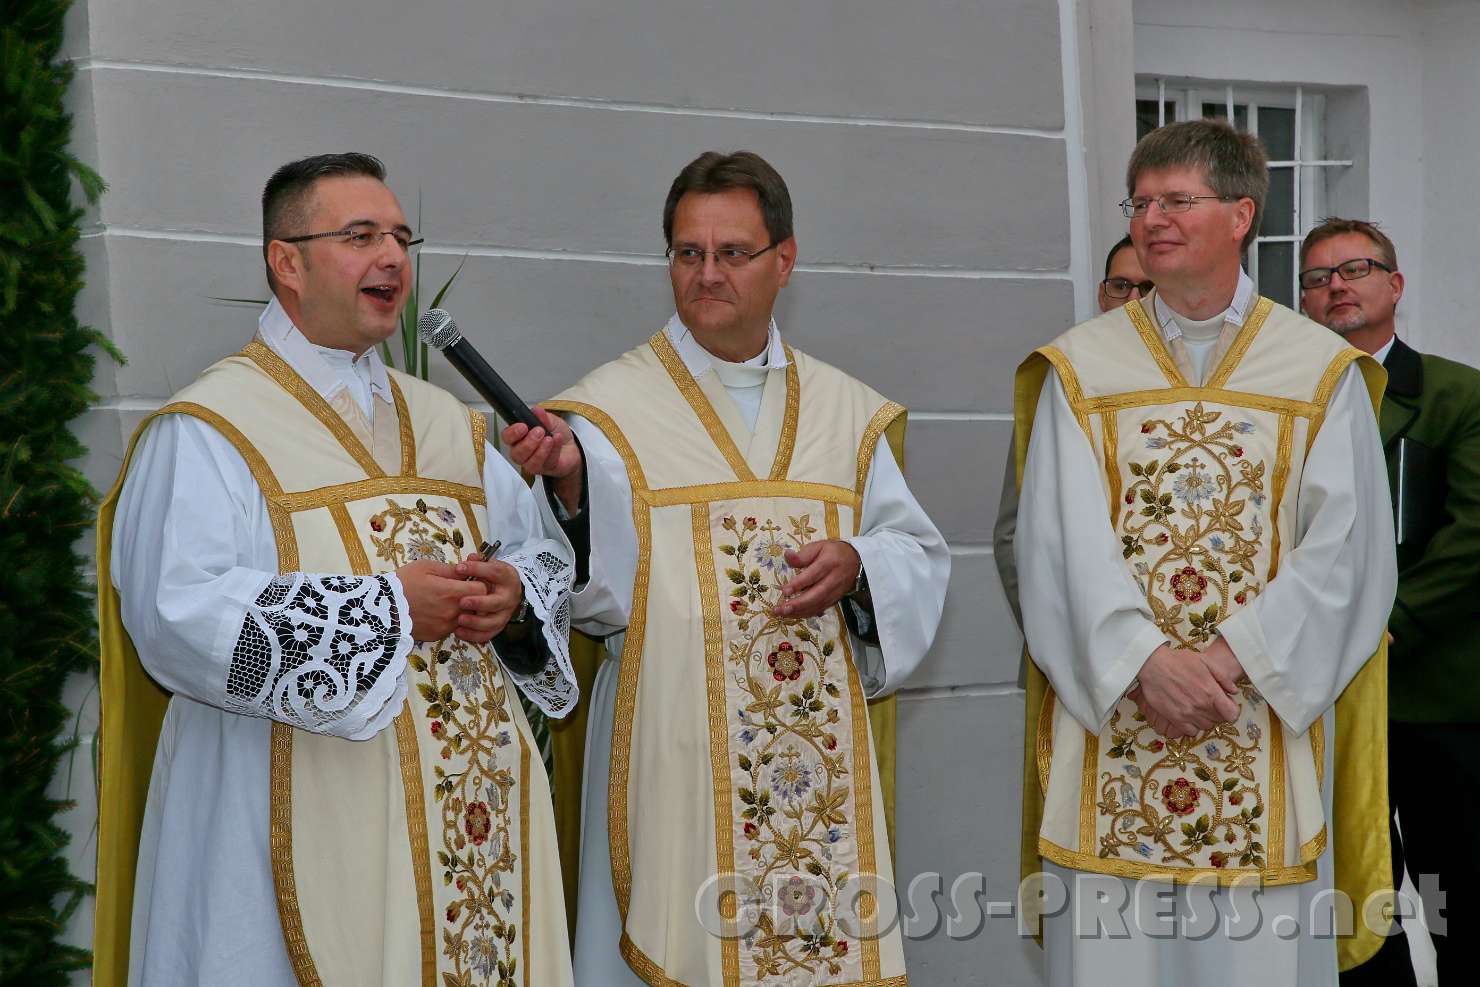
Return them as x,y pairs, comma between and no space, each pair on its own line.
1192,523
463,700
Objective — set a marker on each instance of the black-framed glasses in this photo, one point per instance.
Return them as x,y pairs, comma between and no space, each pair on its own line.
1350,270
1121,287
361,237
1167,202
731,257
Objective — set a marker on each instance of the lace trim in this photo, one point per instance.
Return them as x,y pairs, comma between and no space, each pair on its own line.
321,653
547,578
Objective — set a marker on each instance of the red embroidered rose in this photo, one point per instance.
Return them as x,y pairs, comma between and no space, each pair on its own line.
477,822
437,728
1180,796
1155,746
736,606
751,829
1241,596
377,523
1237,798
785,662
1188,585
830,742
1238,451
840,948
1162,539
1145,428
1228,837
1130,496
1218,859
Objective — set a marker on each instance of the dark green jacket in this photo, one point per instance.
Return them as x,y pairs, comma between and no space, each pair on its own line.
1430,425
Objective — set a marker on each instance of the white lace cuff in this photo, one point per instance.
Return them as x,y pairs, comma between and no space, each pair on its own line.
546,578
323,653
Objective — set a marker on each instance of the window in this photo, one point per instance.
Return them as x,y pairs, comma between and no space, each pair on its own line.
1289,121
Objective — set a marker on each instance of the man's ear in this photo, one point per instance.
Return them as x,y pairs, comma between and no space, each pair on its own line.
287,263
786,254
1397,281
1243,218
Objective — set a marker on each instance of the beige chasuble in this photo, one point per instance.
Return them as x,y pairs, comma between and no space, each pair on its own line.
424,855
1200,483
748,842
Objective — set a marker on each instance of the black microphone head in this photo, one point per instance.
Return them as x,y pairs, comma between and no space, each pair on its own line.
436,329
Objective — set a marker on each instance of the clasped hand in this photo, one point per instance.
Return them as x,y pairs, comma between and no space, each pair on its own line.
823,573
1185,693
472,599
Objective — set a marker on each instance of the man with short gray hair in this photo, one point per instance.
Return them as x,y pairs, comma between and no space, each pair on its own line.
1206,564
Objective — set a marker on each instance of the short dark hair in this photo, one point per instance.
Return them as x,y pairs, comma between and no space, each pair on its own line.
1234,162
713,172
1120,245
1335,226
286,196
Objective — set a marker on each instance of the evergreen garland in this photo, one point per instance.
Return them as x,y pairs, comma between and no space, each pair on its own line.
47,618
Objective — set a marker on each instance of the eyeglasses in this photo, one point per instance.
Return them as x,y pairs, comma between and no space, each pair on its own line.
731,257
1350,270
1168,202
1121,287
361,237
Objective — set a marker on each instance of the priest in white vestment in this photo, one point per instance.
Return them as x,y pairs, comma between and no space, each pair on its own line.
762,569
330,801
1188,745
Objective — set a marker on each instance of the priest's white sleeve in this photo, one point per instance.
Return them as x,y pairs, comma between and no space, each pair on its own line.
908,567
602,605
1087,623
321,652
538,549
1323,614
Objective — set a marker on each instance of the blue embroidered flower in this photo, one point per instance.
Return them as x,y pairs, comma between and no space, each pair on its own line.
791,778
466,672
1156,442
1132,771
1258,498
1211,750
1243,428
1193,486
1218,544
1143,850
1127,795
483,954
1252,729
771,554
834,834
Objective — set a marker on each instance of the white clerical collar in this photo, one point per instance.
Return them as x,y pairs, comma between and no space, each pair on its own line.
326,370
699,361
1384,349
1237,311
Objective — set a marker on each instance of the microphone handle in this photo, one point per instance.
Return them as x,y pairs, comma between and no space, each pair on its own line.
470,363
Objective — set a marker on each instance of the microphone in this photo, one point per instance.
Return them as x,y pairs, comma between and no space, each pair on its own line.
437,330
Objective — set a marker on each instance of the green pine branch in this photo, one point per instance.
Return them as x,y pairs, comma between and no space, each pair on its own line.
46,505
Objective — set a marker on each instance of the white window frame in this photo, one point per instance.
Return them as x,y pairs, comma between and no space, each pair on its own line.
1187,97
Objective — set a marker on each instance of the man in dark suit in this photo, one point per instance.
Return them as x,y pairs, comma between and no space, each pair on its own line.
1430,426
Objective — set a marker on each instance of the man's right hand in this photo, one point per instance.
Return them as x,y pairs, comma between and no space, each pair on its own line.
434,592
1180,695
551,452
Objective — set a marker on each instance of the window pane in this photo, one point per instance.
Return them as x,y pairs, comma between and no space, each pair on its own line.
1277,130
1146,116
1277,272
1219,111
1279,207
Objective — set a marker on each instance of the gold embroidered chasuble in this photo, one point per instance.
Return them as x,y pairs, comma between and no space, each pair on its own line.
1201,485
742,768
424,855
